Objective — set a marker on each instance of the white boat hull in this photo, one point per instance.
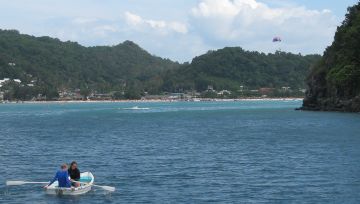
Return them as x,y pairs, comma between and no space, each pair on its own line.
53,189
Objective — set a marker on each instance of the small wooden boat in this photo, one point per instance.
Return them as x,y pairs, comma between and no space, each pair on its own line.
86,179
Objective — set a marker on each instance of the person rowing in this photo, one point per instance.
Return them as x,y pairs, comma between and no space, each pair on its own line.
63,186
74,174
62,176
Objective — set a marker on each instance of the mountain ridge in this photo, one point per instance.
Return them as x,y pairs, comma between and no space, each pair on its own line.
126,67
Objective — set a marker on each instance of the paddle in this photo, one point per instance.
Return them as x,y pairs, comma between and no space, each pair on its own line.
18,183
107,188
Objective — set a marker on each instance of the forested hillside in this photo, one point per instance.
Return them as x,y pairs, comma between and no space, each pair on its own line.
334,83
58,65
46,66
232,67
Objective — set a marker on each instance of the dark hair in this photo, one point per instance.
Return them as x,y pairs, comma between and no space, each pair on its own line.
72,163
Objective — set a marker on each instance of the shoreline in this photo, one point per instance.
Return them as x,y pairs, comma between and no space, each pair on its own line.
152,101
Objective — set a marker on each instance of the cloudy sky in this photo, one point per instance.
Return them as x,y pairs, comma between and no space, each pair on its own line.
181,29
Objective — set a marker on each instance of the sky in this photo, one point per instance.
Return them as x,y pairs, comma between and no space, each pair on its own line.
182,29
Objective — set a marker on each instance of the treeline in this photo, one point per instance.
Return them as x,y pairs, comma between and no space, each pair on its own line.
232,67
129,71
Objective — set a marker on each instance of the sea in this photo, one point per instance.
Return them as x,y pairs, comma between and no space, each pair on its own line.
183,152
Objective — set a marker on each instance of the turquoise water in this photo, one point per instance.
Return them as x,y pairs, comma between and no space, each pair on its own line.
220,152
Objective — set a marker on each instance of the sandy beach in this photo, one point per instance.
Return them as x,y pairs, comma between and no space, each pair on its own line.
155,101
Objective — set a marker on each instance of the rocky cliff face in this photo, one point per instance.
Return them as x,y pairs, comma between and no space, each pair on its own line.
334,83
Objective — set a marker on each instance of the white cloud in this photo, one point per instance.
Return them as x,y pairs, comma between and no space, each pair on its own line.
178,29
222,8
84,20
133,19
252,24
104,30
214,24
164,27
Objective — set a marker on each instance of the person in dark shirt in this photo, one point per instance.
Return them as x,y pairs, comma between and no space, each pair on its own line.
74,174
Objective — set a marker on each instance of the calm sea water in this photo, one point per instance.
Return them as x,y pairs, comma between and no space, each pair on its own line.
219,152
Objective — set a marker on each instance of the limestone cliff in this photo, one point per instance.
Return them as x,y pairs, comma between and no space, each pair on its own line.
334,82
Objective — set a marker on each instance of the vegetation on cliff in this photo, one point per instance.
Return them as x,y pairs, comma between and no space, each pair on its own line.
334,83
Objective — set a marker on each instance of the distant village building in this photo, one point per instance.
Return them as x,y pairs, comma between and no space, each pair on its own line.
224,92
285,88
62,94
193,94
175,96
98,96
241,88
66,95
11,64
266,91
210,88
155,97
3,81
40,97
17,81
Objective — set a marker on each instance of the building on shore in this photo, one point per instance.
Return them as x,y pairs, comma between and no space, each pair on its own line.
224,92
3,81
266,91
67,95
285,88
101,97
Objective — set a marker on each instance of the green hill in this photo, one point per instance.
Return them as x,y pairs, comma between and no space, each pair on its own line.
232,67
334,83
59,65
46,66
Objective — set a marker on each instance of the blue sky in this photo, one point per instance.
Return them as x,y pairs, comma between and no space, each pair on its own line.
338,7
181,30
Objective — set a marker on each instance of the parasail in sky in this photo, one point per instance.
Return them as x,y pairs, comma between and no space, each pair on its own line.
276,39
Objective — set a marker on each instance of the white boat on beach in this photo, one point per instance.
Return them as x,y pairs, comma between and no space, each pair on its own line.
86,179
